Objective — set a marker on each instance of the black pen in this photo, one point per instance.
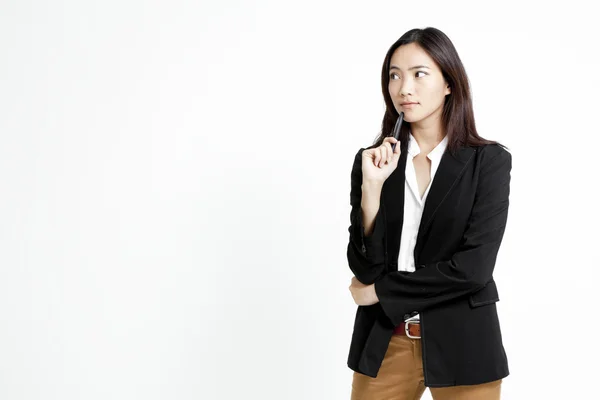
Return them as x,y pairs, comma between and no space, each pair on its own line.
397,128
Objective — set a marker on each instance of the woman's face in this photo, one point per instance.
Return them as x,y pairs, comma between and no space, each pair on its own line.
415,77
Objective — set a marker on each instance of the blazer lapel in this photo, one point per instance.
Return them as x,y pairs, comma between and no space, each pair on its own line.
393,202
448,172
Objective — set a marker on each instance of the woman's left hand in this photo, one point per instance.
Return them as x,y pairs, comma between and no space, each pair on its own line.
364,295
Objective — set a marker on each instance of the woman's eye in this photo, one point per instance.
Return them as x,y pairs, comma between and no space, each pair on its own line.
393,74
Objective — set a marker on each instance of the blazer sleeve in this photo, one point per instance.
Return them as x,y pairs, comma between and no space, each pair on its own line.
471,267
366,254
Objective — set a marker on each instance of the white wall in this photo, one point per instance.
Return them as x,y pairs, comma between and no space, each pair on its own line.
175,179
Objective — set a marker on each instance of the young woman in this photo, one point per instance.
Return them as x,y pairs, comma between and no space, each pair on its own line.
427,220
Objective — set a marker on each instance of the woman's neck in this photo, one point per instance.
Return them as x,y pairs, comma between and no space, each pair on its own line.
427,139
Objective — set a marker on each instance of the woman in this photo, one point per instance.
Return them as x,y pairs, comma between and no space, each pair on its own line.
427,221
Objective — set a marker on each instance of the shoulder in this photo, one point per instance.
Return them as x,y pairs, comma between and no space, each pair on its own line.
358,157
357,165
489,155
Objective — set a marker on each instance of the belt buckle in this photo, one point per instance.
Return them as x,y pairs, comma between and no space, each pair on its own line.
412,320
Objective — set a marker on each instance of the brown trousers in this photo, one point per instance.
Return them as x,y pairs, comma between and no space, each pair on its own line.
401,378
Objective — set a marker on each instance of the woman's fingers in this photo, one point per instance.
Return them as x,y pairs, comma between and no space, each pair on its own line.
396,150
377,156
388,151
383,159
384,153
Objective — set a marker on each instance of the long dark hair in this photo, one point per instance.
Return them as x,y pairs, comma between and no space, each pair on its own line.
458,121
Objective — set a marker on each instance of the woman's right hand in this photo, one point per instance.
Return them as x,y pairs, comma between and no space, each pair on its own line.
379,163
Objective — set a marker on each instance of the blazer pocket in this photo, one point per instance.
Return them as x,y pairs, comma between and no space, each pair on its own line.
487,295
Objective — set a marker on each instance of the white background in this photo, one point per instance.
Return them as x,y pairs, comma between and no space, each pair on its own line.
175,182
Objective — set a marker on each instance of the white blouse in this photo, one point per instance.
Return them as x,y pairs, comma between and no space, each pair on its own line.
413,203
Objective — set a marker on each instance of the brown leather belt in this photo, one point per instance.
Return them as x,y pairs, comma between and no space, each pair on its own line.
414,329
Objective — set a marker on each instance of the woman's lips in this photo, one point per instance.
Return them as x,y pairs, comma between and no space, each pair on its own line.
409,105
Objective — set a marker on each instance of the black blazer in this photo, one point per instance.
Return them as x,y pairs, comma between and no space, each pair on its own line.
452,287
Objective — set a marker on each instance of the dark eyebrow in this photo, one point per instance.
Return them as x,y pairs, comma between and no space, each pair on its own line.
415,67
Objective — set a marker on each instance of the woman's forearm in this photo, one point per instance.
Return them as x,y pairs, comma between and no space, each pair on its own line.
370,200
